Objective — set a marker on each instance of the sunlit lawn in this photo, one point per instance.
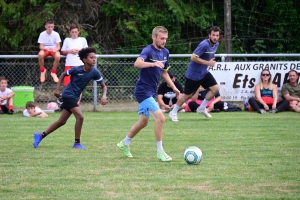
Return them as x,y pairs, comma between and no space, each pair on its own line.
246,156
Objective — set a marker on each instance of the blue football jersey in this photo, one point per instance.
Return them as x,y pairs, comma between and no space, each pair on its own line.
147,82
79,80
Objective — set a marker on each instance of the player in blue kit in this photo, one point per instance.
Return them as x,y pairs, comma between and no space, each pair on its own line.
153,64
197,73
80,77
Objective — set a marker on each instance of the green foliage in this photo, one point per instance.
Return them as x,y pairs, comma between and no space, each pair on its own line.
21,19
136,20
267,24
259,47
125,26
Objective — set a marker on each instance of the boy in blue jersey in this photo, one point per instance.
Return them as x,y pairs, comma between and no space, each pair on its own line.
153,63
197,73
80,77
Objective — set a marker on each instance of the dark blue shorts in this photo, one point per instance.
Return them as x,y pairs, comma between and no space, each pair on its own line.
191,86
68,104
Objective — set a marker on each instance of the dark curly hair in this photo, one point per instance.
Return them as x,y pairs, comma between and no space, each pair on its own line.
83,53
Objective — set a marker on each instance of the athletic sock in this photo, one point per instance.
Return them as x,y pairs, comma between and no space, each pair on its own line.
53,70
77,141
44,135
10,107
159,146
175,109
42,69
127,140
203,104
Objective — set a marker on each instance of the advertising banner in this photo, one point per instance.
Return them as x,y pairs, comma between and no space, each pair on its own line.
238,79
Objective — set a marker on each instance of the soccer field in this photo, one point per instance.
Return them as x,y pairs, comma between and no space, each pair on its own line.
246,156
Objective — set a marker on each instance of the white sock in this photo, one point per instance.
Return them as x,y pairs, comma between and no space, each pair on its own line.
175,109
203,104
159,146
127,140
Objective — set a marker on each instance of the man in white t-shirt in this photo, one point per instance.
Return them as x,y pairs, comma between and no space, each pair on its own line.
49,44
70,48
6,97
33,111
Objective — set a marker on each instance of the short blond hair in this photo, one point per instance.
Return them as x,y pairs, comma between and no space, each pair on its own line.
159,29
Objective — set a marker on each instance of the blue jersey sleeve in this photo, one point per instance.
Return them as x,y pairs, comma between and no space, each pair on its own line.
71,71
200,50
97,77
145,54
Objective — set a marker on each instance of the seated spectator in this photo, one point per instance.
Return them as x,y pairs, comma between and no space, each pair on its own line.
6,97
33,111
291,91
166,97
215,104
266,96
49,45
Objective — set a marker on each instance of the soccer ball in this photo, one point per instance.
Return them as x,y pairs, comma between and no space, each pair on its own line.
193,155
52,106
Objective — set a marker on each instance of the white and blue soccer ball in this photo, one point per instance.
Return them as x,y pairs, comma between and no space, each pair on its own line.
193,155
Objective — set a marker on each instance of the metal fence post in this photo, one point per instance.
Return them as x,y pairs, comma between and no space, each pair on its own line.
95,90
223,57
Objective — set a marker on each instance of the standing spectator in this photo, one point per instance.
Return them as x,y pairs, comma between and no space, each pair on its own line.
266,96
6,97
197,73
153,63
49,41
291,91
166,97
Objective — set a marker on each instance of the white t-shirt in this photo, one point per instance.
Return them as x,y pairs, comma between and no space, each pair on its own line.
70,43
26,113
49,40
5,93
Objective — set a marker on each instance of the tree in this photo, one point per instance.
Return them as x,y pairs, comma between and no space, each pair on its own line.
227,27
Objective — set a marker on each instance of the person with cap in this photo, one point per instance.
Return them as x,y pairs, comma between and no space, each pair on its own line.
166,97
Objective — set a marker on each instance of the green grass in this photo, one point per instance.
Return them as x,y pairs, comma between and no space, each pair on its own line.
246,156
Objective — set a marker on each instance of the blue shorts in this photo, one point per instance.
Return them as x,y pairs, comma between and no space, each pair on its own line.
148,104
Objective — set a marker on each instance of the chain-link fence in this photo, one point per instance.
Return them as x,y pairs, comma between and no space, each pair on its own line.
117,70
119,74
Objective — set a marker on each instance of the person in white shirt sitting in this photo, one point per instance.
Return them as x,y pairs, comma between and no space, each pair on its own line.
49,44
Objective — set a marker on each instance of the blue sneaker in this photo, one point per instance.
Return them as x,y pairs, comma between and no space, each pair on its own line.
37,137
79,146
